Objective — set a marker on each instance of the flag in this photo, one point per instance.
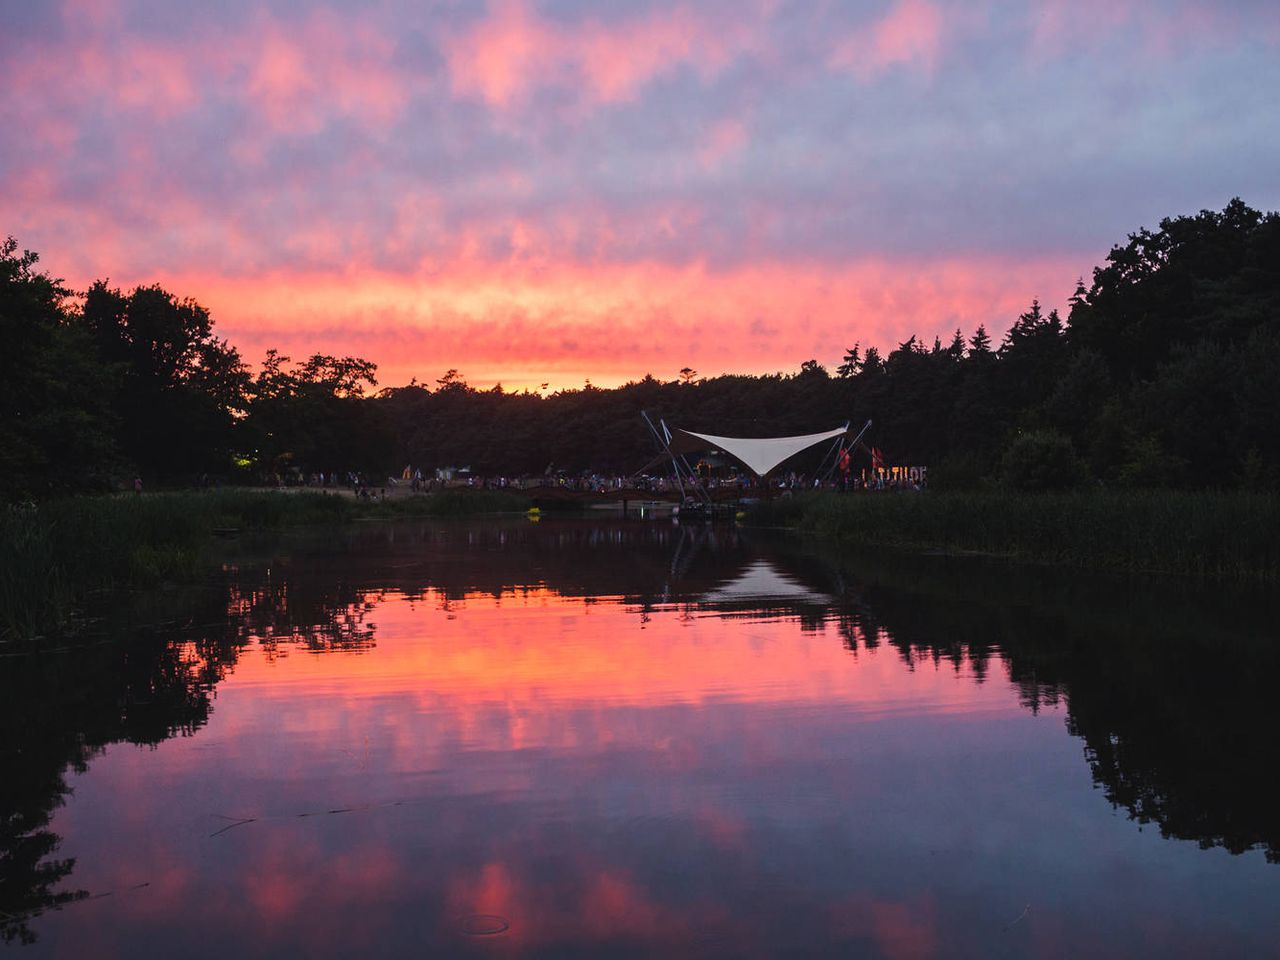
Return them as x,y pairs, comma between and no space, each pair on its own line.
877,459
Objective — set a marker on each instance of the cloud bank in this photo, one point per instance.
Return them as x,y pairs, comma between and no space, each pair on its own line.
564,190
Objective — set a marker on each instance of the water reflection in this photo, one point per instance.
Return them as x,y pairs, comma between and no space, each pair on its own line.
638,739
57,713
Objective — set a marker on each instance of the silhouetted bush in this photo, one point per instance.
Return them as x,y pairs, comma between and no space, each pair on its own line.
1041,460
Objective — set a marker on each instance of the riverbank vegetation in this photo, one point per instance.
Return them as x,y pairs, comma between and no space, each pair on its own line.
1161,374
1220,534
57,554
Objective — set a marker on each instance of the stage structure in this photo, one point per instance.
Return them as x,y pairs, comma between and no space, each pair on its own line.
760,455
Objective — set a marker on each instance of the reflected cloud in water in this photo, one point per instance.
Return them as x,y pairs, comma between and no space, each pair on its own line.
639,739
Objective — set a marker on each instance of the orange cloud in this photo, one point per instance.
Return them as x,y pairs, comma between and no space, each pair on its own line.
549,321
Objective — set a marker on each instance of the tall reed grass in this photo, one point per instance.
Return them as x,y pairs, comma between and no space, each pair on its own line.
53,556
1232,535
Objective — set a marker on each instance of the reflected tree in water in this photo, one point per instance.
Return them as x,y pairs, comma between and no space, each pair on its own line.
57,712
1167,684
1167,687
60,709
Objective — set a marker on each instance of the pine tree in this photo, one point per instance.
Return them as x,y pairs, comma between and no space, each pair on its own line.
980,342
852,362
872,362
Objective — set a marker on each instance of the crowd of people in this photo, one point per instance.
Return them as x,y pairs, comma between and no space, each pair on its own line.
414,480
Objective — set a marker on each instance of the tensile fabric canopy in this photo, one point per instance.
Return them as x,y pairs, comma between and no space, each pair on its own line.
757,454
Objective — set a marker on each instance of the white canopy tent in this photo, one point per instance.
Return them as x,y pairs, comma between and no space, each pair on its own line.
758,454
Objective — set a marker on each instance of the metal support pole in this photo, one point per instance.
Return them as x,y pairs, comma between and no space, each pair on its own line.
693,479
856,440
665,445
837,444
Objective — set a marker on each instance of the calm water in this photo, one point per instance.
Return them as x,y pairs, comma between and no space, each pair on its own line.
599,739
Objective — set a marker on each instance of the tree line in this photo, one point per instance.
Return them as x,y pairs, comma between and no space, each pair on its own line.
1163,373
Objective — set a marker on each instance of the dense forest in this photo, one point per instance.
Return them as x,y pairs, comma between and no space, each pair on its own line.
1163,373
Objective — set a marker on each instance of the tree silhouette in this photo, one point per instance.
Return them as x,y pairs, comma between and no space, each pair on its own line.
56,434
452,380
1162,372
980,342
851,364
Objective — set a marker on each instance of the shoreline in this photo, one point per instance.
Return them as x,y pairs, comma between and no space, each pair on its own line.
1222,535
56,555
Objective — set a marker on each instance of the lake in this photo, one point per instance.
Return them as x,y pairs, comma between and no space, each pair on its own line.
610,738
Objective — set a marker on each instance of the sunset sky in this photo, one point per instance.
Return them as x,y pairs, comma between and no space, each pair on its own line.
568,190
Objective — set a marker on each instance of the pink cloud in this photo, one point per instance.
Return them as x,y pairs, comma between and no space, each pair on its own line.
909,34
512,51
280,80
294,75
141,76
722,141
617,62
495,58
298,74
